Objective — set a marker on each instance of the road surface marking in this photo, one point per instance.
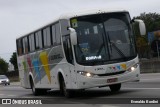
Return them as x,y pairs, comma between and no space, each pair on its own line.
40,97
144,88
13,87
11,95
150,79
108,106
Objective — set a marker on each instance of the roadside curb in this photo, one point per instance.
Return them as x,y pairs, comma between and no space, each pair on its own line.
15,83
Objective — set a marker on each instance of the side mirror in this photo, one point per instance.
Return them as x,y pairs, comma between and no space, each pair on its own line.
73,36
142,27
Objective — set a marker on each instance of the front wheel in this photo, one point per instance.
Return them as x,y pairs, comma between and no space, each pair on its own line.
115,87
64,91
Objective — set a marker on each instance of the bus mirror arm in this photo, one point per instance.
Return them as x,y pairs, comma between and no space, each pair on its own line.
142,27
73,36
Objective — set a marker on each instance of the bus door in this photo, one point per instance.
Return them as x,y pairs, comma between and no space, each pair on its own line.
69,57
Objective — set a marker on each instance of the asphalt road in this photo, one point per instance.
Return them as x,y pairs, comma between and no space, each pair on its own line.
148,87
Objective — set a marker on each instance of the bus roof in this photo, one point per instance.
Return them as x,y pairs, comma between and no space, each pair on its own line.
76,14
90,12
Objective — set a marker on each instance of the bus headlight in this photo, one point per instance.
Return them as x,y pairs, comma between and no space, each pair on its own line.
133,67
85,73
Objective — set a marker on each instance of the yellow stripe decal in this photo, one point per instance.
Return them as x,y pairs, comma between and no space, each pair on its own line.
124,66
44,60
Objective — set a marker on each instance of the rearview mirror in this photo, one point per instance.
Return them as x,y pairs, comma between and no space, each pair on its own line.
73,36
142,27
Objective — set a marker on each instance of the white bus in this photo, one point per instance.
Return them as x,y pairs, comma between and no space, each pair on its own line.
80,51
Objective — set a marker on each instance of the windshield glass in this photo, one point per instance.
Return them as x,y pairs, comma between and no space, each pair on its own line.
3,77
103,38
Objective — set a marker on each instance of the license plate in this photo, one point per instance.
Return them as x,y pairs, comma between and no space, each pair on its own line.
112,80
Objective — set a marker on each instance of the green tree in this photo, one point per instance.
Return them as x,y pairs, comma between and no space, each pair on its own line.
13,60
152,22
3,66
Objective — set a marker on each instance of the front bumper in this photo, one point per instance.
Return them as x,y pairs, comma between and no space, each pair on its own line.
90,82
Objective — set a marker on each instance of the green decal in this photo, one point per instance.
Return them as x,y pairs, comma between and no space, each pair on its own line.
74,23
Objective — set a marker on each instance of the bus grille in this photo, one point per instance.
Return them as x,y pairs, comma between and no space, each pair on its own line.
108,74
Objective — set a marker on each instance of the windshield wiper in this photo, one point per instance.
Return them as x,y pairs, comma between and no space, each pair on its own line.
119,51
115,47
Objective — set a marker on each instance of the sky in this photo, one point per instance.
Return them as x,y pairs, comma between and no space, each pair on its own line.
19,17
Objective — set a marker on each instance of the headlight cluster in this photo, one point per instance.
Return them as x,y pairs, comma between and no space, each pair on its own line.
133,67
7,80
85,73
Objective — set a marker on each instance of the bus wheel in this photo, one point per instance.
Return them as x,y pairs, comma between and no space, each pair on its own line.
34,90
115,87
66,93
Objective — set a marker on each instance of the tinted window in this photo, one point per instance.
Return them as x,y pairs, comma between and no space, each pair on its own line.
3,77
64,27
58,33
19,47
38,37
47,37
54,35
25,45
32,42
104,38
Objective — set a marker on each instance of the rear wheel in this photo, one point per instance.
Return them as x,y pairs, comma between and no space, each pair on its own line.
36,91
115,87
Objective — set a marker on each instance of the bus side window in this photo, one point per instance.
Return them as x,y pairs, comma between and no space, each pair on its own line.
25,45
19,46
47,37
44,38
38,37
31,42
58,36
54,35
64,26
48,32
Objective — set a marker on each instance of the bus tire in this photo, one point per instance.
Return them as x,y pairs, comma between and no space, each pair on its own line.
35,91
64,91
115,87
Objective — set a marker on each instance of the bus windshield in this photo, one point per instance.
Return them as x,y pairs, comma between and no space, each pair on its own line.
104,38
